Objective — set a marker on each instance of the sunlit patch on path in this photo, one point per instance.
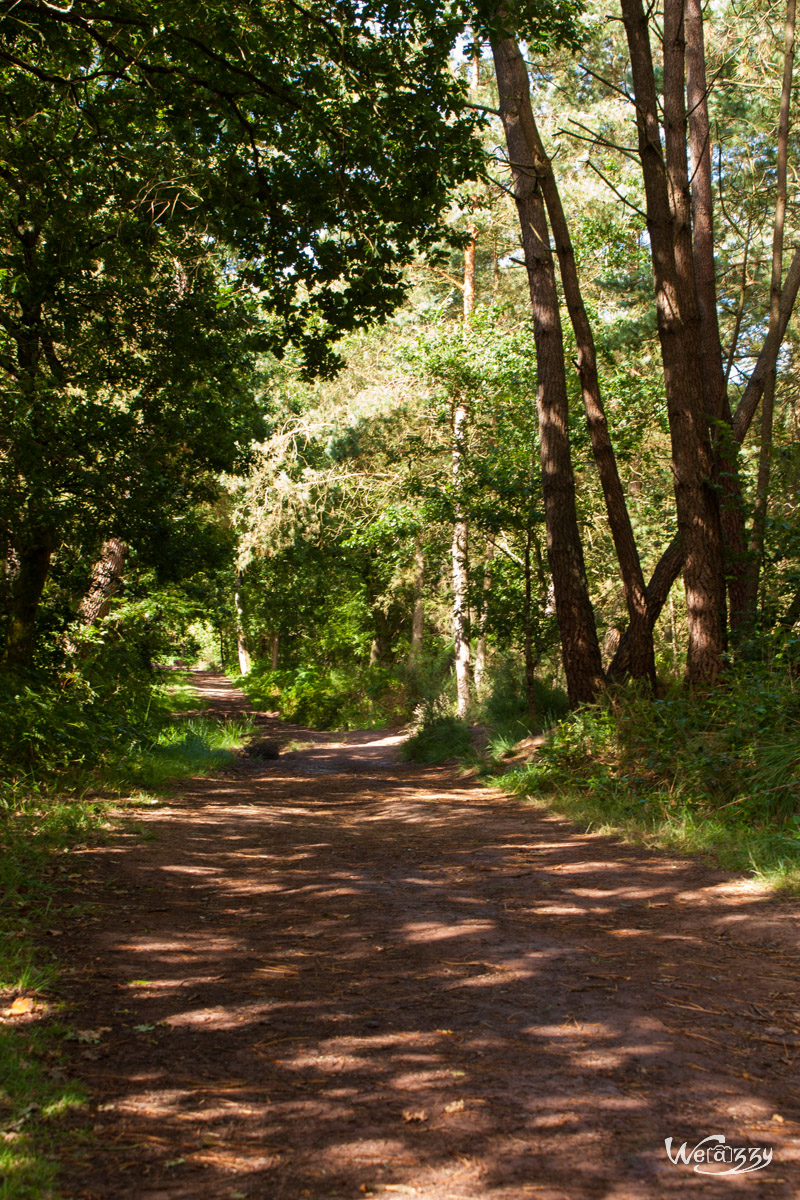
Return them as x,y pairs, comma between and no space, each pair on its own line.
385,980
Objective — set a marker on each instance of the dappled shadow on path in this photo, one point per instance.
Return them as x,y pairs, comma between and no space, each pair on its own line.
336,976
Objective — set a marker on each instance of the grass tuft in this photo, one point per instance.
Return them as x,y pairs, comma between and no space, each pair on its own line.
712,772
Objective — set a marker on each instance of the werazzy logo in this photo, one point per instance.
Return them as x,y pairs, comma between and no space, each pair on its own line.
712,1156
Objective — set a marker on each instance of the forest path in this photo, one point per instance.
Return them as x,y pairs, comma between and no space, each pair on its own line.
337,975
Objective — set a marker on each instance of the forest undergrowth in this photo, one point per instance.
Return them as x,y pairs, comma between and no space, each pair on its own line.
714,771
93,754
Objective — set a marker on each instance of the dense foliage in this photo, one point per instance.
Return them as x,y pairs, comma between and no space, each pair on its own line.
270,325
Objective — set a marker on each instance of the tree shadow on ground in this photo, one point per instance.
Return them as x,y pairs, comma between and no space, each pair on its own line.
337,977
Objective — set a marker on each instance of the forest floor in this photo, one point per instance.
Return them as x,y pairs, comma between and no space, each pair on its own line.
337,975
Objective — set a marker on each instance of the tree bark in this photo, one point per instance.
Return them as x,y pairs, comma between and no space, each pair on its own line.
460,552
642,658
579,645
671,561
241,641
460,568
530,661
756,547
676,308
460,614
715,387
107,581
33,568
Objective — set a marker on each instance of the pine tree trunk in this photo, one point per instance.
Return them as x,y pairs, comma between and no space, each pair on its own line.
579,645
726,462
641,659
670,564
669,226
756,548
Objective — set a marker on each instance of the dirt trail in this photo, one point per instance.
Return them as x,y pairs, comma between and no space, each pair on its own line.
337,975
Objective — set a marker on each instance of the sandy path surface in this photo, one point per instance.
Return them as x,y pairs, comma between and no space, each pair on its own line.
338,975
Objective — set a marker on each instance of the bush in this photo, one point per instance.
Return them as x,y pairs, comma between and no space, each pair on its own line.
714,769
101,703
330,698
50,727
439,736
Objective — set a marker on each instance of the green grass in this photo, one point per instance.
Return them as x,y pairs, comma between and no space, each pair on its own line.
36,833
182,750
40,822
33,1100
769,853
715,773
176,694
440,736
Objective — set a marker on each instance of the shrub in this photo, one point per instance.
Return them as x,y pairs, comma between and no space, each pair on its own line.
438,733
330,698
714,768
438,740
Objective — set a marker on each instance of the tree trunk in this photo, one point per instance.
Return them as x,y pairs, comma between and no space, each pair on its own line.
275,650
579,645
460,573
676,308
756,548
669,565
642,659
460,525
33,568
715,386
107,580
530,661
241,642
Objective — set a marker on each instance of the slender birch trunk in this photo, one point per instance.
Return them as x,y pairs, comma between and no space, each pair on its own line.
460,551
241,641
530,661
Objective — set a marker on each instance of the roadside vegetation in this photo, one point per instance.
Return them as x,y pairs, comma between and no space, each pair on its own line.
98,751
715,772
